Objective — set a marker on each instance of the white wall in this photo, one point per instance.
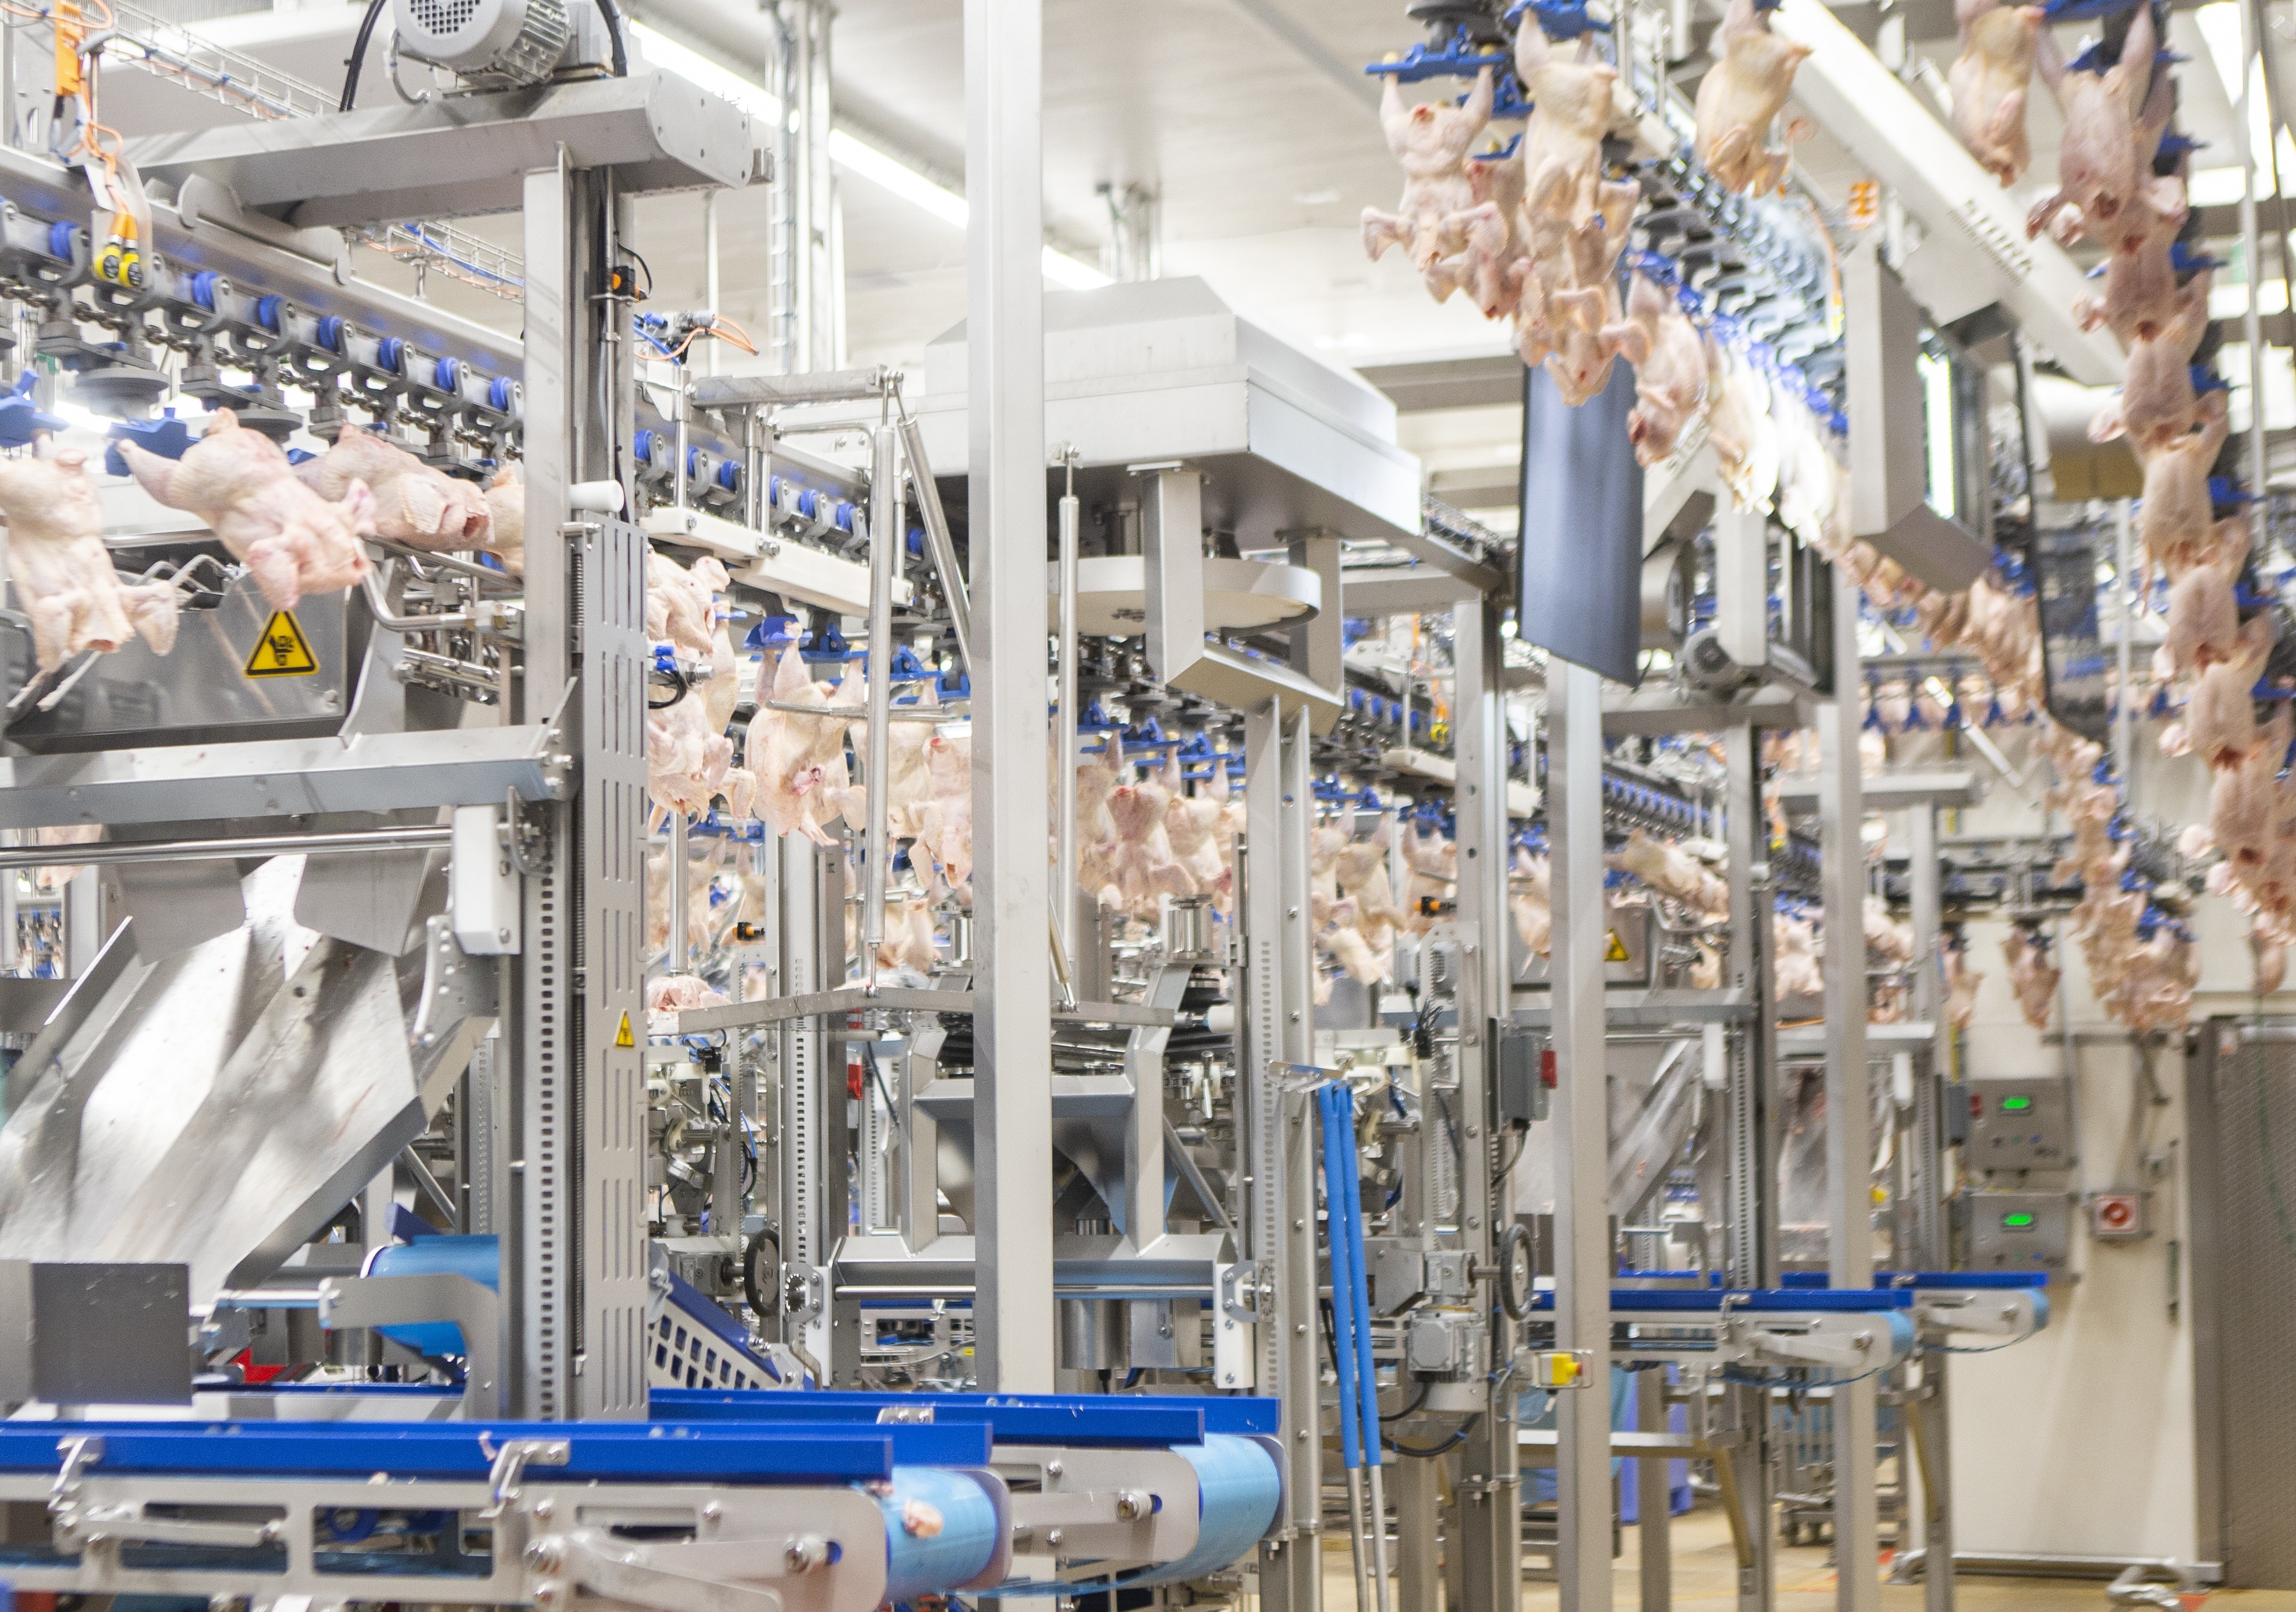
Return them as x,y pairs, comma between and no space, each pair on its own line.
2082,1440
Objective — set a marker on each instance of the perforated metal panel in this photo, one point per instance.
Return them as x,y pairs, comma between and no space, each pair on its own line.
2245,1189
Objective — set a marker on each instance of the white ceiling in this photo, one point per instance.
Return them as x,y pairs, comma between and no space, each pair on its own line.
1251,119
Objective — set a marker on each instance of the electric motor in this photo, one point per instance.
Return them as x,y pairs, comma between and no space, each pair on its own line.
500,43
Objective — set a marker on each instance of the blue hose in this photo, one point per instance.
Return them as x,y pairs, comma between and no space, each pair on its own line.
1343,1106
1338,1165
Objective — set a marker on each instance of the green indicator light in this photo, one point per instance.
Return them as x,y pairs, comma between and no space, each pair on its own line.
2017,1222
2015,1105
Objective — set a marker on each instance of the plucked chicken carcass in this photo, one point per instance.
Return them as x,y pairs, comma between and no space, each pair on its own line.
237,481
1990,81
1145,868
1530,902
2204,618
2031,975
1961,983
1360,870
689,764
945,825
1674,872
2158,404
791,752
679,603
63,574
2220,718
2176,518
1739,425
1742,96
1191,824
909,934
415,504
506,510
2140,277
1886,938
1345,941
689,758
1797,972
2244,802
2102,156
1439,208
681,992
1670,362
2270,957
1496,261
1431,875
1571,111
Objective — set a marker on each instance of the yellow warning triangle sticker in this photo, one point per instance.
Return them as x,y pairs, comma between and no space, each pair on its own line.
1616,952
622,1037
282,651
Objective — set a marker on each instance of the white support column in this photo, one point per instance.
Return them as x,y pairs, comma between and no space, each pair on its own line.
1013,1315
1848,1118
1582,1217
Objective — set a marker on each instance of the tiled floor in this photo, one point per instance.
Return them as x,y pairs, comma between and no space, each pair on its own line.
1705,1579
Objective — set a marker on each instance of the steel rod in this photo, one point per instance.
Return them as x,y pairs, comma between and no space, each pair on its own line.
884,550
939,544
1064,830
676,948
223,850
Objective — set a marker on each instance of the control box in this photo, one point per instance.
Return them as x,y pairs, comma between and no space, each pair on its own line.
2019,1124
2019,1230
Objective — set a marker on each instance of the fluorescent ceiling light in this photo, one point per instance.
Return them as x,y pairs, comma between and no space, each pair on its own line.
855,155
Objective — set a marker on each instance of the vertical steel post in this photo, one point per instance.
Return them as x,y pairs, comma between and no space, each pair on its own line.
1067,899
537,1239
1014,1317
1490,1501
2124,624
1849,1115
1582,1243
1651,1497
1750,1235
1923,1220
1281,1134
885,539
2250,246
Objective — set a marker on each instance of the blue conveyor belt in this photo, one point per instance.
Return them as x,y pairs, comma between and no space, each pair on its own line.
1085,1420
479,1258
1713,1301
634,1451
942,1531
1240,1490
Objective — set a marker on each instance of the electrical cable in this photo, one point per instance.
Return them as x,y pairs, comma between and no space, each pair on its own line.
612,13
1458,1436
1522,1139
1417,1400
357,60
683,687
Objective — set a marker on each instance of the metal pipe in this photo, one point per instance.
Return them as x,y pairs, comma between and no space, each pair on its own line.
677,949
1064,830
710,291
227,850
939,544
2252,315
2125,619
884,549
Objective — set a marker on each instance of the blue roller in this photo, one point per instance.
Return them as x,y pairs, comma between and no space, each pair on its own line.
480,1258
942,1531
1240,1489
